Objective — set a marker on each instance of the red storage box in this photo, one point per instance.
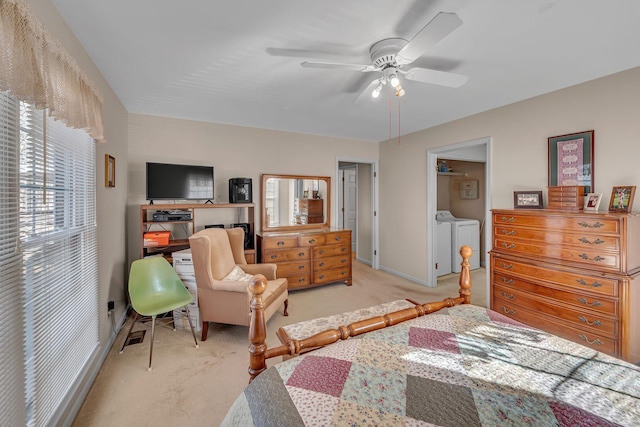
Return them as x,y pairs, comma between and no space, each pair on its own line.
156,238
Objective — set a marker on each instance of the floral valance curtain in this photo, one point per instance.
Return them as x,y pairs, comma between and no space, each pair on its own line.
35,68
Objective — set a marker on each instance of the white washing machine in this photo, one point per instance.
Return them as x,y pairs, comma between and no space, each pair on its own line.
443,248
463,232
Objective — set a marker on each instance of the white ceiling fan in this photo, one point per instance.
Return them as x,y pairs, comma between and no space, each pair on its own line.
392,57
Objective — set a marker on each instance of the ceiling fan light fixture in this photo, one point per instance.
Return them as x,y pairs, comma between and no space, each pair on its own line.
377,90
399,91
394,80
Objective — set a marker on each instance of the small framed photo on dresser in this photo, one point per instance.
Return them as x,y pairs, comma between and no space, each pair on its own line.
592,202
622,198
527,199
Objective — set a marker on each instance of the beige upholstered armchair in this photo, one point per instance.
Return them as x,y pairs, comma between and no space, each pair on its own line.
222,277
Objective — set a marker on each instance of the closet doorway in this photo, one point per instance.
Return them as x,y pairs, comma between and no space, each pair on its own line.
470,151
357,190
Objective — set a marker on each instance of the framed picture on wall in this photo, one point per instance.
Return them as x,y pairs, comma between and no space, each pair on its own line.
527,199
571,160
109,171
622,198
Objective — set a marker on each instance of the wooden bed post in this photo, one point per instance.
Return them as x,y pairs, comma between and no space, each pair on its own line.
257,327
465,275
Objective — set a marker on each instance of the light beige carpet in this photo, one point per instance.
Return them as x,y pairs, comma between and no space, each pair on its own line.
195,387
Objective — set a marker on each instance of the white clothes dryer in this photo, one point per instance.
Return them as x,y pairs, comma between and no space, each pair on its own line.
463,232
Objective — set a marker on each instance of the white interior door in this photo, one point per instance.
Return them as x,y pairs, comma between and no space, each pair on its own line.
340,199
350,203
365,204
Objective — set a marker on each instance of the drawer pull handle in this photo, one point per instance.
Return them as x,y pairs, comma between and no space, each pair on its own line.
594,284
338,238
343,260
594,342
343,249
596,258
508,245
508,233
508,311
321,264
280,243
505,265
504,294
300,253
312,241
596,303
585,320
301,267
343,273
300,280
507,281
595,242
507,219
321,251
322,276
274,256
597,224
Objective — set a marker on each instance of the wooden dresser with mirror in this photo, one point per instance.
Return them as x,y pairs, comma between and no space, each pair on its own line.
296,234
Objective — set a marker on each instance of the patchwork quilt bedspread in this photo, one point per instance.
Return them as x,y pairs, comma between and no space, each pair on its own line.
462,366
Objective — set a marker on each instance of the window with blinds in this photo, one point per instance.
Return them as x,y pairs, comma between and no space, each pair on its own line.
48,246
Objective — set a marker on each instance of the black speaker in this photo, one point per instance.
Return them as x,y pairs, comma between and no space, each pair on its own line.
240,190
248,235
214,226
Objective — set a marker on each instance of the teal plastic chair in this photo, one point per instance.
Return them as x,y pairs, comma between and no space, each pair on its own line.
155,288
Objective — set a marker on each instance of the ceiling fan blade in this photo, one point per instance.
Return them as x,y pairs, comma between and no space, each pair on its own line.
307,54
438,28
440,78
338,66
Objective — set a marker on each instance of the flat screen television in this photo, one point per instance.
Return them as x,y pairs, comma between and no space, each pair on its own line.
179,182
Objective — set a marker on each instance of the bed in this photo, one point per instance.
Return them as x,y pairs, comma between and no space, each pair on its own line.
445,363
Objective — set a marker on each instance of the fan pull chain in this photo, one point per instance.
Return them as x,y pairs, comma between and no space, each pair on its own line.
399,145
390,103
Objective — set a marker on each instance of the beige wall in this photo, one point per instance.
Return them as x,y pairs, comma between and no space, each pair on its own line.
519,132
233,151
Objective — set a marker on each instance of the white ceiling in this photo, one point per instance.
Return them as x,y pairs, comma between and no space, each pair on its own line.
213,60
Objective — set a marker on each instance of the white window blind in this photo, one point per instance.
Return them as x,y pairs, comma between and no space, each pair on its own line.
12,372
57,260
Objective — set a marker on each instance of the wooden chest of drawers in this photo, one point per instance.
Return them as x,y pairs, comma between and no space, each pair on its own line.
308,258
565,197
311,211
572,274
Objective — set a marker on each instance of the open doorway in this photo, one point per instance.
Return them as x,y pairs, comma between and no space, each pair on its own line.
356,206
475,151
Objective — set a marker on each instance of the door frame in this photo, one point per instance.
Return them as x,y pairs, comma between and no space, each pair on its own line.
432,202
375,260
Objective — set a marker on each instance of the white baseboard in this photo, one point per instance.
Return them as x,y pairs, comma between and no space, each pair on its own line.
364,261
405,276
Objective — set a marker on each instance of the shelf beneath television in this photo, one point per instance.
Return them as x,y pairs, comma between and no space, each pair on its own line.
146,225
170,206
172,243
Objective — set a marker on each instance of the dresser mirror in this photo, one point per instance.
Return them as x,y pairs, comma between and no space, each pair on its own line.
294,202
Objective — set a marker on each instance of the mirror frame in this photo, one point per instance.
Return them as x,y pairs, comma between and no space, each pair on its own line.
263,213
